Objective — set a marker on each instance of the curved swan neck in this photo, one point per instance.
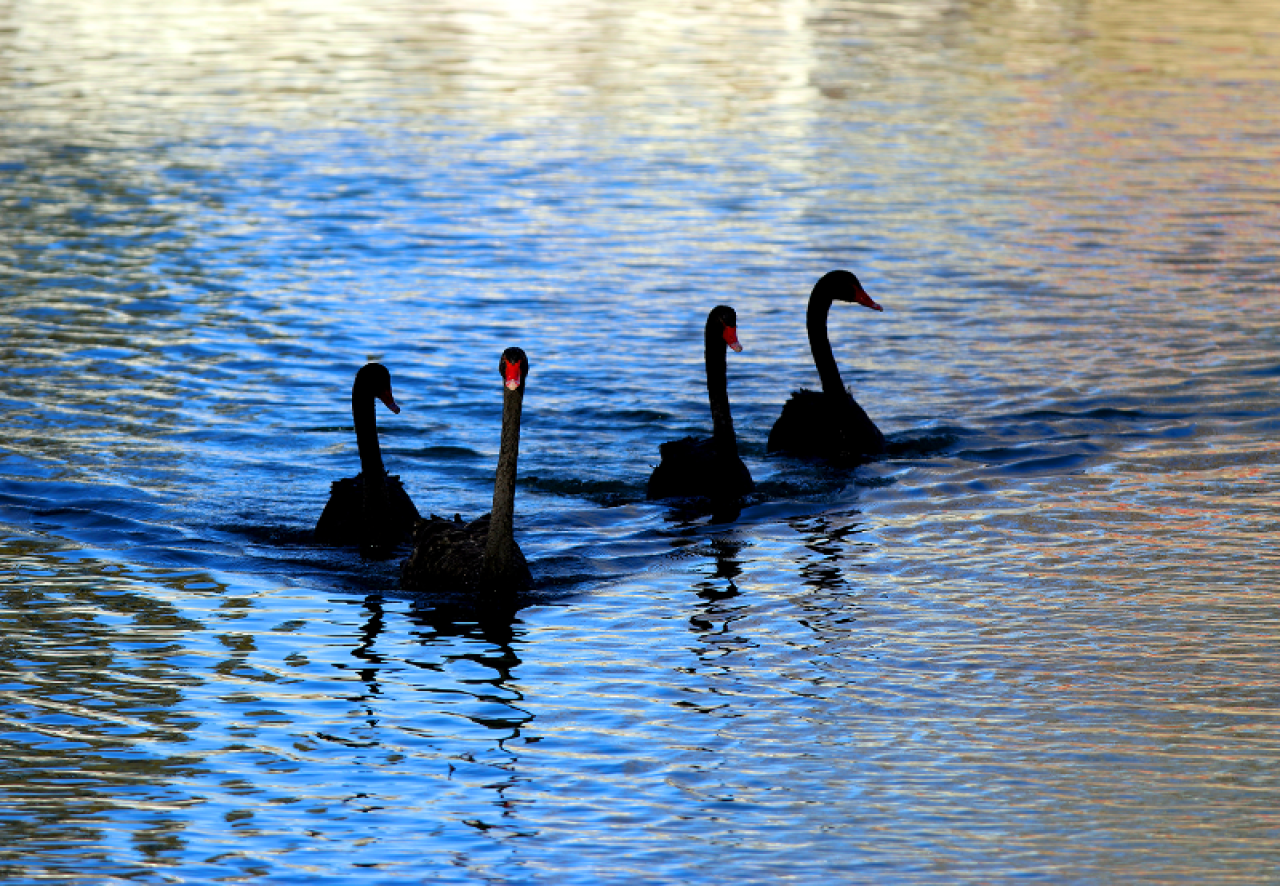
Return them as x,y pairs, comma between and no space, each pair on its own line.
500,545
366,422
718,387
820,345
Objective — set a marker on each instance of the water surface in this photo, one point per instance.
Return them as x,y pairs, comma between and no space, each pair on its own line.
1034,643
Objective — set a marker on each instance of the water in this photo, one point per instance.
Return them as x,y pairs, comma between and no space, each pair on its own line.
1035,643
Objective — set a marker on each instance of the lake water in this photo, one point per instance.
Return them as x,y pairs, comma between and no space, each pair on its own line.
1037,643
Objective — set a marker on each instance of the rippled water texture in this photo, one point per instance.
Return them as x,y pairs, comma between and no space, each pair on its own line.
1034,643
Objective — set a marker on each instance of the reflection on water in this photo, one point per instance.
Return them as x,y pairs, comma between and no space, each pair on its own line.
1033,642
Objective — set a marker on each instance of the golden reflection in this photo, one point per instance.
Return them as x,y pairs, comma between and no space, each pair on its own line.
73,62
679,65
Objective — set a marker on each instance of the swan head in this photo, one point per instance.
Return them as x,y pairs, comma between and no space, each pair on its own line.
373,380
724,321
513,367
844,286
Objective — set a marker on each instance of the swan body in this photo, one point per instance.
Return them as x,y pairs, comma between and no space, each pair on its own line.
371,510
708,467
480,558
828,423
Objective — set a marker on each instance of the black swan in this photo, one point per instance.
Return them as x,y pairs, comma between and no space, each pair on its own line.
708,467
827,423
480,557
371,509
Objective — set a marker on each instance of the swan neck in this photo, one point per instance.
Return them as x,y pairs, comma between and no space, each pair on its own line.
366,422
718,390
820,344
500,545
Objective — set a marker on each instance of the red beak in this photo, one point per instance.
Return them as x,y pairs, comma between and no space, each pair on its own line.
386,397
865,300
731,338
511,375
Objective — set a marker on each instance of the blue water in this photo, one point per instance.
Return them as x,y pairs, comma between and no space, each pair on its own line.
1034,643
